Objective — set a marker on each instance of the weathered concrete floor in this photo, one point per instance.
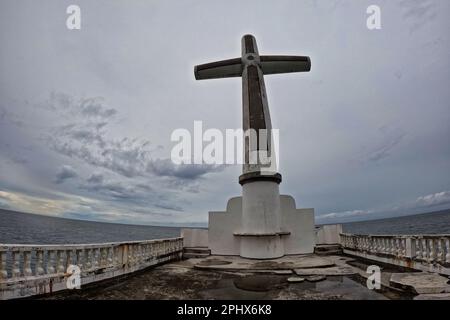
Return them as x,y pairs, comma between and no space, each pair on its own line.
252,280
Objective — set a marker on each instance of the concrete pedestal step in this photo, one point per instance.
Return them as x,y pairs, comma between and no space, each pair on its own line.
328,249
196,252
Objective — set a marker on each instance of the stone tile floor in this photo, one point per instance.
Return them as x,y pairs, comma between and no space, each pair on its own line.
218,277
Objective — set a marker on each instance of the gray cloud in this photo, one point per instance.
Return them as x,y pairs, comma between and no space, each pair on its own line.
390,139
435,199
420,12
64,173
89,142
165,167
95,178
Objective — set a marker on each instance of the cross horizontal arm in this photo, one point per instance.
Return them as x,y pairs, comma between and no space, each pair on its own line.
284,64
219,69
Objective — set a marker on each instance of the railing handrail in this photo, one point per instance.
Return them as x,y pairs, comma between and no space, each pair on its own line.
8,246
397,235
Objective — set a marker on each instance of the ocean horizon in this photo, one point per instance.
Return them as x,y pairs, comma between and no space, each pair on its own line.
27,228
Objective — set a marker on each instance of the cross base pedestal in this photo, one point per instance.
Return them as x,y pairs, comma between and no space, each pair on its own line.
296,235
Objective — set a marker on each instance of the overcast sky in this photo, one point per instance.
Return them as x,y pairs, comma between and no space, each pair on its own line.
86,115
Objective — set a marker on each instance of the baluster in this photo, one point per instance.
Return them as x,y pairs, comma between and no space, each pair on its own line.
110,255
60,261
87,259
137,255
418,250
98,260
3,270
144,252
102,257
447,250
69,258
151,251
16,264
50,261
440,257
431,254
116,256
404,240
96,255
130,254
424,249
39,262
27,264
80,259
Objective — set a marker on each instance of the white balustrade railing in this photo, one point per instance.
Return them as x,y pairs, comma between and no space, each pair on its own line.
424,249
24,266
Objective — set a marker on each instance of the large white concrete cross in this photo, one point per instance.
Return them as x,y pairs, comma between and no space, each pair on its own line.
261,224
252,67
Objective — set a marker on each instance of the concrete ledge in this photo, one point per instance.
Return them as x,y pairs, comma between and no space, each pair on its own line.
195,237
402,262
